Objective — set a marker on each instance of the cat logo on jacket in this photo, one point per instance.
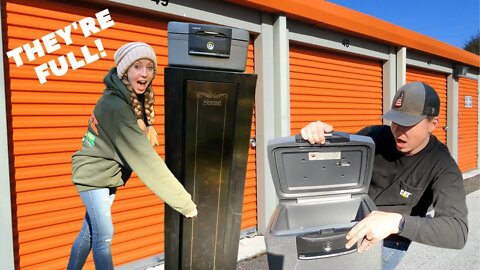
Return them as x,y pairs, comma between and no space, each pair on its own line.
404,193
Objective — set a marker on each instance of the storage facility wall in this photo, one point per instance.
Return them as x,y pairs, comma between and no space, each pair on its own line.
438,81
342,90
49,121
467,125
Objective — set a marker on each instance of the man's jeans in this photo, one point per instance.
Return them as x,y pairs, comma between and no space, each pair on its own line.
393,253
97,231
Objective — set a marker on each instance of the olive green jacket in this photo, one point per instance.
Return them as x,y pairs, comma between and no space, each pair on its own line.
114,145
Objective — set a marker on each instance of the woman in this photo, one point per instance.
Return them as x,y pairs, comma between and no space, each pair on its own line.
119,140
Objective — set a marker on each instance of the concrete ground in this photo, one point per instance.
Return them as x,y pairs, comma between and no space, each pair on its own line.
423,257
419,257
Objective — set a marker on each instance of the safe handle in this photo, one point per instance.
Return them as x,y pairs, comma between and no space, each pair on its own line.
322,244
334,137
210,33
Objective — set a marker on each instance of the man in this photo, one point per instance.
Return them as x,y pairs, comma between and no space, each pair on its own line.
412,170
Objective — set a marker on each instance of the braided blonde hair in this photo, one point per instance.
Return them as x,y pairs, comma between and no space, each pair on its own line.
137,106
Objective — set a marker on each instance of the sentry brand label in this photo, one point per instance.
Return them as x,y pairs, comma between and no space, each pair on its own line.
324,155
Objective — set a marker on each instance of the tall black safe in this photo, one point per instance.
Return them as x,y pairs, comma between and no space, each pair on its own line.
208,114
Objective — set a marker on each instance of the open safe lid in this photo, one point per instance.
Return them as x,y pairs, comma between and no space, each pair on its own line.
343,165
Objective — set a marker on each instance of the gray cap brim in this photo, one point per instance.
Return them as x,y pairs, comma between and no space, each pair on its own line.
402,118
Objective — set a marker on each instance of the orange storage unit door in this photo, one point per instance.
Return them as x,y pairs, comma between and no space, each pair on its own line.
48,123
341,90
467,124
439,82
249,212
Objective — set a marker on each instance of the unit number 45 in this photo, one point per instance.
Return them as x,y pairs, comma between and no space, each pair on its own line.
163,2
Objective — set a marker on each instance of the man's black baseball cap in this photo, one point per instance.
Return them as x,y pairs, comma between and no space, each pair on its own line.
412,103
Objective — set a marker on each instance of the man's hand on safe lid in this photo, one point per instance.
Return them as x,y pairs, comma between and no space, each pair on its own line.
374,227
315,132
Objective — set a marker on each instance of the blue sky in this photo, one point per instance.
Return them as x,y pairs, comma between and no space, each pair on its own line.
450,21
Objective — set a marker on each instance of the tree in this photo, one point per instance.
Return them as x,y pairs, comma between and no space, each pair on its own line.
473,45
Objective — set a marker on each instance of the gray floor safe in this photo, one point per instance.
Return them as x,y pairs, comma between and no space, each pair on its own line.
322,191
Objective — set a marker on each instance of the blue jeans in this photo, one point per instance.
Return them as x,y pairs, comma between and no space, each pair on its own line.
97,231
393,253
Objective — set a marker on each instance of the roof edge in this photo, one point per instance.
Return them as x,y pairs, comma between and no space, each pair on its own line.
333,16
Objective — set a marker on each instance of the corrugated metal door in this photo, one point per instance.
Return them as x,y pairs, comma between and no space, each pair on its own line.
249,212
439,82
48,122
341,90
467,124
